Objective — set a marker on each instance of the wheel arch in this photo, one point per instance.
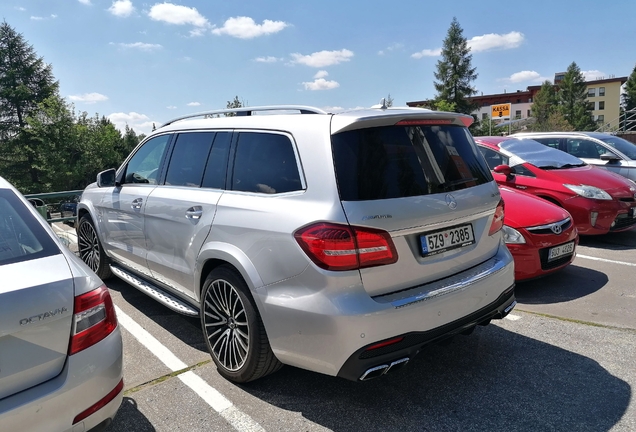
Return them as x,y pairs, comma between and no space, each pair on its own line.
215,254
551,199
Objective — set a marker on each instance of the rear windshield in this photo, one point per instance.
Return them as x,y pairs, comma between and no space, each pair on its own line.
540,155
622,145
402,161
22,238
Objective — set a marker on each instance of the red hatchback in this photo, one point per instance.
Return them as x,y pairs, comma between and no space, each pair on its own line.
598,200
542,240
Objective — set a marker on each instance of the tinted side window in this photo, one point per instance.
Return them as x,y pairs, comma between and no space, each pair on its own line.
265,163
583,148
188,159
521,170
216,167
144,165
493,158
402,161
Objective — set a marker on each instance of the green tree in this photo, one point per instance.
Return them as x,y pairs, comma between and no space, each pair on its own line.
26,81
545,103
554,123
388,101
628,119
485,127
455,74
573,102
236,103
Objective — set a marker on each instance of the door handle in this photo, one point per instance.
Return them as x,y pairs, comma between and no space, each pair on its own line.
136,203
194,212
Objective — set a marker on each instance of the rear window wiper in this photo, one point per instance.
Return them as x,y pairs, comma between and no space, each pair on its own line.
449,184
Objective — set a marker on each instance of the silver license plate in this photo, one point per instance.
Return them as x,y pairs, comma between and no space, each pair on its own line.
443,240
560,251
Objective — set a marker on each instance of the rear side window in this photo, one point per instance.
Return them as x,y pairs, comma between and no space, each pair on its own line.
265,163
402,161
22,238
188,159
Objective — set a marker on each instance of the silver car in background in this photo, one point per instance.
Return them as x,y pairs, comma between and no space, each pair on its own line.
603,150
60,345
339,243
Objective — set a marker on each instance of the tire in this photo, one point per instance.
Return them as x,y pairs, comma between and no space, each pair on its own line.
233,329
91,250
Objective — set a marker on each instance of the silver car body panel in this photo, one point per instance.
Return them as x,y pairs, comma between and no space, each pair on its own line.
316,318
34,340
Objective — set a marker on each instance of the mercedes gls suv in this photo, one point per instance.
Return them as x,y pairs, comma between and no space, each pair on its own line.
339,243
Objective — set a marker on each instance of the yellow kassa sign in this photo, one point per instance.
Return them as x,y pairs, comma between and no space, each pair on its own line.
500,111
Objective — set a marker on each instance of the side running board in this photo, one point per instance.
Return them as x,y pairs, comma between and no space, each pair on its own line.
155,292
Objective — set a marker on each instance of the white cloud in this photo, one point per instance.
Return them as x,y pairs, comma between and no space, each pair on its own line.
492,41
321,74
245,28
525,76
427,53
481,43
85,2
323,58
194,104
395,46
171,107
592,75
88,98
39,18
333,109
178,15
321,84
141,46
141,123
122,8
268,59
20,8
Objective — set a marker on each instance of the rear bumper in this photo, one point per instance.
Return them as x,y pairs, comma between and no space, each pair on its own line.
87,377
364,360
321,329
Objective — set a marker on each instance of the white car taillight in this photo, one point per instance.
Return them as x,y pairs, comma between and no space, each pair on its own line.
93,319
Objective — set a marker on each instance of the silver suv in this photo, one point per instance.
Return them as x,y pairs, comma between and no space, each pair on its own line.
339,243
594,148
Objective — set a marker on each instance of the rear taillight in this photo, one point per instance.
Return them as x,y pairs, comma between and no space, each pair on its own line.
498,219
93,319
343,247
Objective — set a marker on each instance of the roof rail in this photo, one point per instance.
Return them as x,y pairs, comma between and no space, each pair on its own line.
247,111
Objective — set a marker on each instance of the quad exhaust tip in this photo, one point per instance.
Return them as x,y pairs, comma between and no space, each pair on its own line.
384,369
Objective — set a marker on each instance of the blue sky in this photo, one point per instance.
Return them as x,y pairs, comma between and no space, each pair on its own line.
143,62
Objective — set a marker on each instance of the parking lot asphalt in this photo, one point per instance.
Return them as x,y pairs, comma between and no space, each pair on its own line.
563,361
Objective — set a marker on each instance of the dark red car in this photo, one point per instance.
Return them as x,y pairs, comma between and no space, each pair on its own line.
598,200
542,240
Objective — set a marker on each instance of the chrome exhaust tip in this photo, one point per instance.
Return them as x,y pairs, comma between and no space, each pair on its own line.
377,371
374,372
396,365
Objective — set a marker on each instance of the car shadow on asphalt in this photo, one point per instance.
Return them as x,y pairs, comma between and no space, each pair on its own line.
129,418
492,380
569,284
185,328
625,240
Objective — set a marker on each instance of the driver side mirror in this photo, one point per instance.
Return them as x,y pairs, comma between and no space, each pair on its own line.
505,170
106,178
610,157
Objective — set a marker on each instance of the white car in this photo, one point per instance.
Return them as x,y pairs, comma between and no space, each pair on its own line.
603,150
60,345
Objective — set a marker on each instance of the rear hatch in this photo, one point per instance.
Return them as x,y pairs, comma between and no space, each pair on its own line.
36,300
421,178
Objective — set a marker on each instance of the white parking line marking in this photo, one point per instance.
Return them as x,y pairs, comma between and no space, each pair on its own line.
512,317
606,260
238,419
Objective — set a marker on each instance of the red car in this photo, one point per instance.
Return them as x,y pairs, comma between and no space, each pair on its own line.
539,234
598,200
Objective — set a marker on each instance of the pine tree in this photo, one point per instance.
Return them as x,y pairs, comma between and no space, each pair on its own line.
545,103
573,102
26,81
628,119
455,73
